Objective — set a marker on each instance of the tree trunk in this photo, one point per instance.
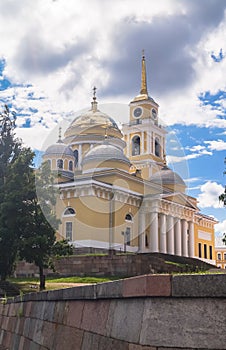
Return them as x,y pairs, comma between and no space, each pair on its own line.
42,279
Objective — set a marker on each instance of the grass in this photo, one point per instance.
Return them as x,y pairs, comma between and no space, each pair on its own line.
31,284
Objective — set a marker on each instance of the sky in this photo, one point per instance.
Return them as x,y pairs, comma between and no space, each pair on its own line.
53,52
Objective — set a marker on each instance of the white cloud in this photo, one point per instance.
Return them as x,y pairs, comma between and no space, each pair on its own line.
208,197
220,228
216,145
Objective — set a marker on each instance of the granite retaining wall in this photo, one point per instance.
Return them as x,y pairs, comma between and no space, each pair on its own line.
125,265
154,312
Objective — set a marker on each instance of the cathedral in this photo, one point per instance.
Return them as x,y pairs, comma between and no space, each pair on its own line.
116,191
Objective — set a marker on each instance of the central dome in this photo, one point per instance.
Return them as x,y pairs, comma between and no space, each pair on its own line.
93,122
94,118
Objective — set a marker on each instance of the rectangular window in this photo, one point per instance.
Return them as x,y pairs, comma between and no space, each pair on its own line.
69,230
205,251
211,252
218,256
200,250
224,256
128,236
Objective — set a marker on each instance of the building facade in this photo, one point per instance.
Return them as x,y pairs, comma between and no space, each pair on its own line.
116,190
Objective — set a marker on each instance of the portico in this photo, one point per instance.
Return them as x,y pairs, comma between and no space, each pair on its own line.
167,228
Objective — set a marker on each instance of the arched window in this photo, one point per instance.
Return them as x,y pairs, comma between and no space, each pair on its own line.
70,165
135,146
76,157
128,217
69,211
60,163
157,147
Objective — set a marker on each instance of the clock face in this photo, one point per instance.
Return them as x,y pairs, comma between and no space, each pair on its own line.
137,112
154,113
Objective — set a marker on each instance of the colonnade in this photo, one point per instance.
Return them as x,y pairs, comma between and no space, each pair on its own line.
166,234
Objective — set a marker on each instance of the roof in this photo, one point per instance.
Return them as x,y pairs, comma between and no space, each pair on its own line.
59,149
166,176
105,152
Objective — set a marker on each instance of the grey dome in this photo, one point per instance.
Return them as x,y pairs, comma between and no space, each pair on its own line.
105,152
167,176
59,149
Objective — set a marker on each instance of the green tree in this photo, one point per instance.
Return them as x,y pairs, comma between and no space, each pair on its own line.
15,171
62,248
222,197
38,237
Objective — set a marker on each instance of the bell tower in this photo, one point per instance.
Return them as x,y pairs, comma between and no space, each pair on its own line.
144,136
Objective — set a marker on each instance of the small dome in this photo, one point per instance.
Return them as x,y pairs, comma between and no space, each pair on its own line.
166,177
59,149
105,152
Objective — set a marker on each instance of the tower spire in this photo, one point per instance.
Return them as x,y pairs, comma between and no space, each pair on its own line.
143,90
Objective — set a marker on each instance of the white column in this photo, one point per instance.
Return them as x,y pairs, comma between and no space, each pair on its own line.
184,226
178,236
191,239
148,142
142,142
153,233
127,145
141,230
162,233
170,234
79,156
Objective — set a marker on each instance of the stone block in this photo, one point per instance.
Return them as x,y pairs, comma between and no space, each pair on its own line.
80,292
171,322
49,311
147,285
140,347
109,289
27,308
48,332
59,312
199,285
38,332
125,318
97,342
67,338
21,343
74,313
55,295
95,316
